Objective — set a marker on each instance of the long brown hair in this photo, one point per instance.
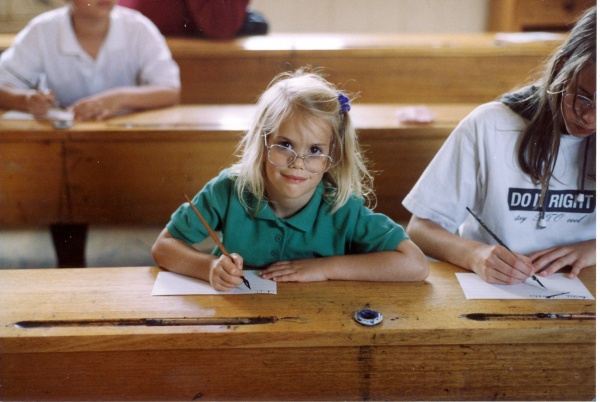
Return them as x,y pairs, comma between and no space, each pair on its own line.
539,143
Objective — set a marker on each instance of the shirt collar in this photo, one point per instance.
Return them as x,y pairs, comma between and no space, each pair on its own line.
304,219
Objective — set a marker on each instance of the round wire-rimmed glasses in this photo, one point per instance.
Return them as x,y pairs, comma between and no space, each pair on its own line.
580,104
281,156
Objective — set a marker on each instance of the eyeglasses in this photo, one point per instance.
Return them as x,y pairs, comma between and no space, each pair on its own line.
281,156
581,104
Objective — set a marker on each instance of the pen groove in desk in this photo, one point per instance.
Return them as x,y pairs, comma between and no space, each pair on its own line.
149,322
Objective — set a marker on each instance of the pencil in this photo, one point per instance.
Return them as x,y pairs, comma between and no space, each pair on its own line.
500,242
214,236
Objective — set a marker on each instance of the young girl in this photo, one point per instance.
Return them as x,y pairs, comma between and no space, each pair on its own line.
91,56
293,204
526,166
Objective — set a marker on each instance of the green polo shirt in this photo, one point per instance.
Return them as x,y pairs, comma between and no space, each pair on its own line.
264,238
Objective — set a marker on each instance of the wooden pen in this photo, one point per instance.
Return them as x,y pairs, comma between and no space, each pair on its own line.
214,236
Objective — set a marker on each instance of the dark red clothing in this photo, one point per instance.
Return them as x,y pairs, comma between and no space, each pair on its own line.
219,19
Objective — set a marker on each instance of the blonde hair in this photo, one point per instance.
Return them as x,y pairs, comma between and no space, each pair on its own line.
302,93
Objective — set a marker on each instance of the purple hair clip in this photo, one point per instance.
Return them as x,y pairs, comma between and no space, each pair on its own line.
344,103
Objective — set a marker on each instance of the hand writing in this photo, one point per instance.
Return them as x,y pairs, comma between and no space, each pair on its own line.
226,273
39,103
496,264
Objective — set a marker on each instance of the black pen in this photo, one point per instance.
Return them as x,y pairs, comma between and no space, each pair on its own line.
214,236
500,242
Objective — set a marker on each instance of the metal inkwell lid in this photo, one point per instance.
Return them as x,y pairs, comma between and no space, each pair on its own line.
368,317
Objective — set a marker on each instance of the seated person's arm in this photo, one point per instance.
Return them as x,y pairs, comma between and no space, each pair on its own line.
493,263
223,273
26,100
110,102
404,264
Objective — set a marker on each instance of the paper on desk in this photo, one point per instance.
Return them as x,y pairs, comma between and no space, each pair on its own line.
558,287
171,284
527,37
53,114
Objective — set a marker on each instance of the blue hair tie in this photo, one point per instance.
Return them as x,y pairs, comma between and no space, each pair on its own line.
344,103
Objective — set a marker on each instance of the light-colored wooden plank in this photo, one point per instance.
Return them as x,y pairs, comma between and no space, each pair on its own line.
32,183
140,182
136,168
424,348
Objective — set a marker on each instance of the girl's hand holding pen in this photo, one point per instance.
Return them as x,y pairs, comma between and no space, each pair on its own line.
496,264
226,272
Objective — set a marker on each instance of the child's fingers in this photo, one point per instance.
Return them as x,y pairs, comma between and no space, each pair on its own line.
237,260
225,274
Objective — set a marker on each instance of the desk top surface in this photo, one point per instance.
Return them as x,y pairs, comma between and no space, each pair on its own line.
305,314
220,119
386,44
417,43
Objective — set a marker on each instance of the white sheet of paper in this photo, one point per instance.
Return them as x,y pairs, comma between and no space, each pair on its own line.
558,287
526,37
171,284
53,114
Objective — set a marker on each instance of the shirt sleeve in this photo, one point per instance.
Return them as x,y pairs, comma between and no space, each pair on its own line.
449,184
374,231
23,58
157,66
211,202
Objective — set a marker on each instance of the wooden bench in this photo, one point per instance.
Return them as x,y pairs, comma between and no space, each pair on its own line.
135,169
383,68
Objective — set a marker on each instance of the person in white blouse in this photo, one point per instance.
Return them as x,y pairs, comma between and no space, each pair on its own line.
524,164
92,57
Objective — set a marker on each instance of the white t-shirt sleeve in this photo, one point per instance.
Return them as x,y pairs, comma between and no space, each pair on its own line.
449,183
156,64
22,64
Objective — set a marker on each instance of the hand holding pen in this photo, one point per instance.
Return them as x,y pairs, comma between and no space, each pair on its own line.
504,277
39,103
38,100
224,272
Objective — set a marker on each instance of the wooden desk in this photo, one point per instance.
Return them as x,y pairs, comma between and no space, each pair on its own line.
392,68
385,68
136,169
423,350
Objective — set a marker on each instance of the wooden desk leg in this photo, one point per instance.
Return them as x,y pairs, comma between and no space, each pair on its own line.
69,244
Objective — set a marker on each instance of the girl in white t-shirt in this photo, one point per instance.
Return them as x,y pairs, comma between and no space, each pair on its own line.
526,166
91,56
